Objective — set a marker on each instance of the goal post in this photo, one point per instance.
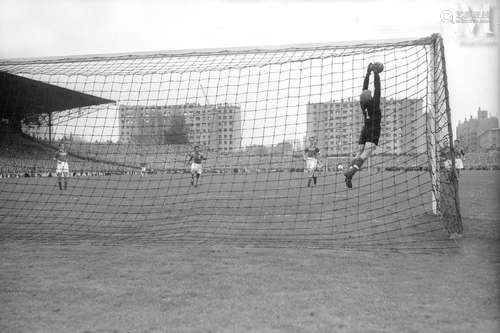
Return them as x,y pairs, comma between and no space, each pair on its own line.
130,124
442,155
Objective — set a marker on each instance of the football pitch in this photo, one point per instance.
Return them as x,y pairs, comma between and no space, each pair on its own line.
215,263
267,209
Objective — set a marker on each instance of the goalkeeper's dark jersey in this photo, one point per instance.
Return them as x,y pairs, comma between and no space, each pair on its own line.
371,112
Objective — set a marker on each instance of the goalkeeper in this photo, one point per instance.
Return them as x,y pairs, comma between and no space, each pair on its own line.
370,106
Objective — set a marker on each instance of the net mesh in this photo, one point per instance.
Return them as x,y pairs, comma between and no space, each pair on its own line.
252,113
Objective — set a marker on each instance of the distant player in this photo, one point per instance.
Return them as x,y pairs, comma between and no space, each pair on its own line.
459,155
143,168
370,106
446,158
311,155
196,166
62,169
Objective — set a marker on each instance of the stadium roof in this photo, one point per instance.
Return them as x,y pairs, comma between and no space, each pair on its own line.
20,96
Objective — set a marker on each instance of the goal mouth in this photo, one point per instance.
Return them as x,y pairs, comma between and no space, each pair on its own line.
130,123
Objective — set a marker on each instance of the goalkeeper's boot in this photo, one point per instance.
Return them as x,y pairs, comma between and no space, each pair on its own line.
349,173
354,167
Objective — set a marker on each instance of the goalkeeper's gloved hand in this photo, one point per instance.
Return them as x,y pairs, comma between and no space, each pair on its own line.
370,68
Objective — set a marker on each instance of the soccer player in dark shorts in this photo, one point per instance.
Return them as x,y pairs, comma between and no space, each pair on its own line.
370,134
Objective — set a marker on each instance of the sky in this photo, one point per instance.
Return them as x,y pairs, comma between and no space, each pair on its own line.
39,28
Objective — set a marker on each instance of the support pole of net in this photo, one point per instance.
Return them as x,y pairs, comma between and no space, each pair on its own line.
432,148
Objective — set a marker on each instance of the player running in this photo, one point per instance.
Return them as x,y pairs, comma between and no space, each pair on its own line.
370,134
311,155
62,169
196,167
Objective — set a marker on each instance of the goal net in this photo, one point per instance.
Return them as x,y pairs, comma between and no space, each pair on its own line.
129,124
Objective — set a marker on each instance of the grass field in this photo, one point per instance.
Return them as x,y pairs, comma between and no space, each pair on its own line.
144,284
269,209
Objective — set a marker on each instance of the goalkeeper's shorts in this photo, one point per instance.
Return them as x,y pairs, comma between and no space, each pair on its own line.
369,133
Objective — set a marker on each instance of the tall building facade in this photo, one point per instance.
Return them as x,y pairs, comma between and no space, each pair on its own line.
490,139
144,124
469,131
215,127
337,125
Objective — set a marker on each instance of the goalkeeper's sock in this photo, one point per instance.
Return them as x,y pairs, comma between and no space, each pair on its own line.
348,182
315,180
349,173
357,162
60,185
355,166
65,184
309,182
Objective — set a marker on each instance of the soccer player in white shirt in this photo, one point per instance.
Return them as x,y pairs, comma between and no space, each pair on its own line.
62,169
196,167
